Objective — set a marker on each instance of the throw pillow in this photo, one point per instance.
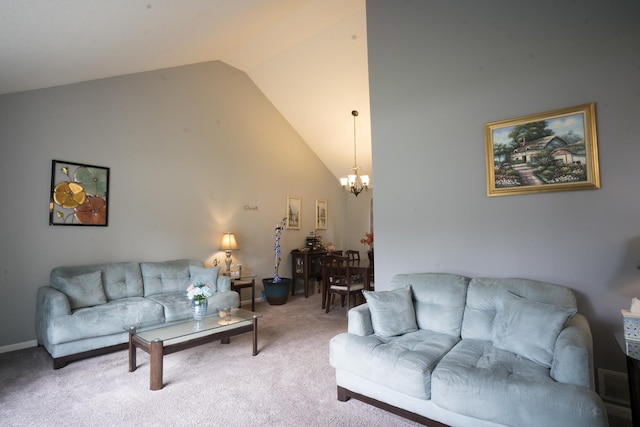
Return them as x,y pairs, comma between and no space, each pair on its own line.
85,290
208,276
529,328
392,312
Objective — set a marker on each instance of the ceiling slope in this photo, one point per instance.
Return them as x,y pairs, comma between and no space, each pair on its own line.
308,56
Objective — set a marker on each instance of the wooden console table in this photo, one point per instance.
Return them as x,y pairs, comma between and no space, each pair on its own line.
306,265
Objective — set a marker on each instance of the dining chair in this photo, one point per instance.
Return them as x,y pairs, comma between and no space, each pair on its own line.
354,257
337,281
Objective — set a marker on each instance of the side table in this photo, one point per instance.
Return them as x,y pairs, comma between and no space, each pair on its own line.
245,282
631,349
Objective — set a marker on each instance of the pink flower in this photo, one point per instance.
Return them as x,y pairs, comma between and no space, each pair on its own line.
199,291
368,239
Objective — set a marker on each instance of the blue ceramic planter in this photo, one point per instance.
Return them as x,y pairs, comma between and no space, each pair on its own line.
276,293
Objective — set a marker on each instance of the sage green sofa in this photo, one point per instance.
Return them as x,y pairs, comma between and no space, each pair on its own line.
84,309
446,349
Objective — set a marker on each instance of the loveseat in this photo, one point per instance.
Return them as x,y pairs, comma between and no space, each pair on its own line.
446,349
85,309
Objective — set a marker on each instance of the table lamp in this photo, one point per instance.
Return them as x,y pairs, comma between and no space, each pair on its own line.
228,244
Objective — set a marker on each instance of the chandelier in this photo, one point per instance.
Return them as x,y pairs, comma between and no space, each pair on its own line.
355,182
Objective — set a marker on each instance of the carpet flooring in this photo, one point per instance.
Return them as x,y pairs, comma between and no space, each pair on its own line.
289,382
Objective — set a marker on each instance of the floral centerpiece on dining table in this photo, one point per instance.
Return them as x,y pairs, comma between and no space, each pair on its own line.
368,240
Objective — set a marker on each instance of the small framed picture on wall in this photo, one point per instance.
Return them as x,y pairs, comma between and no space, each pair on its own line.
322,214
294,212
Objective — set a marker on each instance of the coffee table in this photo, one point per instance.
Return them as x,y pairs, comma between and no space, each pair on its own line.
166,338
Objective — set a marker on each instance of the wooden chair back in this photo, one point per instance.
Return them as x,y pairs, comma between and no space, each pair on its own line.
353,255
336,269
337,281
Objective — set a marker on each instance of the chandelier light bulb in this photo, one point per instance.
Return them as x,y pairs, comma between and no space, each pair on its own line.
355,183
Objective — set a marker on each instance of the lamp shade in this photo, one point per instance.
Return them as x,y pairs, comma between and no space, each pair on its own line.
228,242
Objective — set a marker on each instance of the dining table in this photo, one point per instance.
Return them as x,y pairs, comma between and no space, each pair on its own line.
364,269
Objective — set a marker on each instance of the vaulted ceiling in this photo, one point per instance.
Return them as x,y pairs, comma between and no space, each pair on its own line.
309,57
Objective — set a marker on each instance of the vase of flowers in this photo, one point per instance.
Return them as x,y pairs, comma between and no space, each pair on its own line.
276,288
198,294
368,240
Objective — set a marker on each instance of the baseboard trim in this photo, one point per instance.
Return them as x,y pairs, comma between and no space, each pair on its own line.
18,346
248,302
618,411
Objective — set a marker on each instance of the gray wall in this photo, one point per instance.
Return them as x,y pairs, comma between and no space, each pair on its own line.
438,72
188,148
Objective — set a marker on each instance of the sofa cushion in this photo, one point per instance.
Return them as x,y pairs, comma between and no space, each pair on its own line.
104,319
485,295
84,290
479,380
176,305
392,312
120,280
439,299
166,277
402,363
529,328
205,275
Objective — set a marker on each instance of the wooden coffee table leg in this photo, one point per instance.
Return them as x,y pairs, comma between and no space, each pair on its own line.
255,335
155,370
132,352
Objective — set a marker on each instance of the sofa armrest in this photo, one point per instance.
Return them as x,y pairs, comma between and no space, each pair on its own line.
50,304
573,355
360,320
223,283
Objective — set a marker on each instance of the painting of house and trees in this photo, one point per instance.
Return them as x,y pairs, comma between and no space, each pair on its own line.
552,151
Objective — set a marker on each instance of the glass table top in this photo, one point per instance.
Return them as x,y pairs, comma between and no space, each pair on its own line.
190,328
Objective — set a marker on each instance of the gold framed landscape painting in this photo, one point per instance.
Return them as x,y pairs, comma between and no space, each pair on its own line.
552,151
79,194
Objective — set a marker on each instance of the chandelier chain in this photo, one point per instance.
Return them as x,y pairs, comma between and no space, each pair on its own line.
355,158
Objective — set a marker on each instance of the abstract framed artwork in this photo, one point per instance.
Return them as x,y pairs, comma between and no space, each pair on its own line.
552,151
79,194
294,214
322,214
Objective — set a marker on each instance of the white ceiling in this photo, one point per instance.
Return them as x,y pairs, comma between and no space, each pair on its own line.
309,57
